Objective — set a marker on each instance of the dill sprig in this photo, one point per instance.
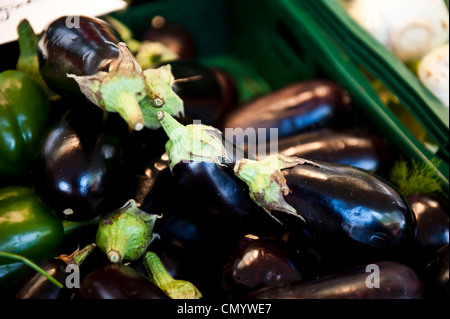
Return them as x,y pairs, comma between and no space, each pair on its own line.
412,177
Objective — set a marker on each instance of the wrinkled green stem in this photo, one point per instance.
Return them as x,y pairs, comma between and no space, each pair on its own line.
174,288
125,103
31,265
78,256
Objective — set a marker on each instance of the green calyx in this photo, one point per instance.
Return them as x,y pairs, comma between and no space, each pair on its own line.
118,90
266,182
174,288
125,233
161,96
194,142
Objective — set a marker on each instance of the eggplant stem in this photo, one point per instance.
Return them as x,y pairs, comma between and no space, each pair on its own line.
174,288
128,108
32,265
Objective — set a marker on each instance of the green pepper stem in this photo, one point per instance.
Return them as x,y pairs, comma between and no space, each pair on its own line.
174,288
28,61
29,263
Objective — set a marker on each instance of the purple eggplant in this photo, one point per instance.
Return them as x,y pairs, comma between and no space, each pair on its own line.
82,49
299,107
64,268
340,206
381,280
81,169
261,262
118,281
432,216
215,193
351,147
80,55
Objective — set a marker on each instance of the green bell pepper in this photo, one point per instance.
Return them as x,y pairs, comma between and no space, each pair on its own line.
27,228
24,115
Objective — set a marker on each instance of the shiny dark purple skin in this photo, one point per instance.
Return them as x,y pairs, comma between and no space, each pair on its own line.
223,202
395,280
432,216
81,166
351,147
260,262
118,281
345,206
77,45
295,108
36,286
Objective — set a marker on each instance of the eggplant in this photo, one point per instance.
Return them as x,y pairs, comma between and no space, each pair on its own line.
208,94
259,262
336,205
219,197
382,280
81,168
436,275
80,55
118,281
350,146
64,268
296,108
84,49
432,216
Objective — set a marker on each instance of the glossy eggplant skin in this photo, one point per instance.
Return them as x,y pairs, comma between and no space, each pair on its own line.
223,201
273,262
118,281
295,108
351,147
432,216
81,169
207,93
77,45
35,286
344,205
396,281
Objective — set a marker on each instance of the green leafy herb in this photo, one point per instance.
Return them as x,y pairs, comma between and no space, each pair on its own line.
414,177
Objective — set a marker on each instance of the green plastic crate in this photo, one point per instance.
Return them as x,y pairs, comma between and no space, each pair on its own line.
267,44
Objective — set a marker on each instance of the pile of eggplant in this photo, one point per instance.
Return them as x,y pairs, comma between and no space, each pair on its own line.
170,187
